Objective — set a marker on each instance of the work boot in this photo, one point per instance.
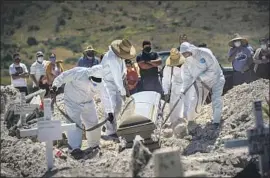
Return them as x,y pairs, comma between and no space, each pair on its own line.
77,153
180,131
91,152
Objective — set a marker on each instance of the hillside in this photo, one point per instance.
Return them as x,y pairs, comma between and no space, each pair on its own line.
66,27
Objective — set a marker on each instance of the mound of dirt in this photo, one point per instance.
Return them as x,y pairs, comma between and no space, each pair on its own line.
203,149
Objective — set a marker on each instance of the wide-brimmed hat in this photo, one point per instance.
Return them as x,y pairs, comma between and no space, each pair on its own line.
89,48
175,58
123,49
243,40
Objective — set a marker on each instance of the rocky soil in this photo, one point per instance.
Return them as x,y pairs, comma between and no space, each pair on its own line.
203,149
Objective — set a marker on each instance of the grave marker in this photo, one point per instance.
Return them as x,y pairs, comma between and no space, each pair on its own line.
257,142
47,131
167,163
22,108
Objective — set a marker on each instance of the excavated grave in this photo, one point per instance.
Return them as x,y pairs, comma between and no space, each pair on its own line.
203,149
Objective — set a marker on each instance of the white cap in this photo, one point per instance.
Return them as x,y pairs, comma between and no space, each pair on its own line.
39,53
96,71
185,47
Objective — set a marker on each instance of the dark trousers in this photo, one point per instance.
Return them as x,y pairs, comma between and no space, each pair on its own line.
23,89
246,77
151,83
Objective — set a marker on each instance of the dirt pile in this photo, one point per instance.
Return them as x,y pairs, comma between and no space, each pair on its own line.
203,149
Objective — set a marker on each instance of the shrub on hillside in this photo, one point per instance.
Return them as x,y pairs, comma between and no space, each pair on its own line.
31,41
246,18
71,60
33,28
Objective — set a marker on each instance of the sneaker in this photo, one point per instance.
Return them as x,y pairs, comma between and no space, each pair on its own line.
77,153
91,152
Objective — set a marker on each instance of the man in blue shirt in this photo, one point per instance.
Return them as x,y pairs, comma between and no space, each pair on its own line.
88,59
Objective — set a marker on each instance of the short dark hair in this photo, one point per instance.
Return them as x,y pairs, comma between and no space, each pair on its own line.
15,55
146,42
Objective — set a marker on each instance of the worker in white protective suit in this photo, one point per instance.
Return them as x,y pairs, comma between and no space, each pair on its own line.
114,67
203,66
80,86
171,84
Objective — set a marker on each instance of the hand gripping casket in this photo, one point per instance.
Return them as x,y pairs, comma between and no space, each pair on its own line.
140,116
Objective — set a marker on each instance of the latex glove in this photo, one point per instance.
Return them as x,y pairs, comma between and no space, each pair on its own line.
53,89
166,97
181,95
110,117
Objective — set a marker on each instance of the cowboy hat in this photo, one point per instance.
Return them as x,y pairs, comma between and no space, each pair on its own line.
175,58
89,48
123,49
243,40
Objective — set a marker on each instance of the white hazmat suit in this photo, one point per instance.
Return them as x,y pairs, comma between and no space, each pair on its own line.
79,103
114,73
203,65
186,106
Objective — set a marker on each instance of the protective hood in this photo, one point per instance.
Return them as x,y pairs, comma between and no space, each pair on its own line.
186,47
96,71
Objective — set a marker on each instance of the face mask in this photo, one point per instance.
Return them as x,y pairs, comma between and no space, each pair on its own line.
90,54
17,61
263,46
237,43
40,59
52,60
147,49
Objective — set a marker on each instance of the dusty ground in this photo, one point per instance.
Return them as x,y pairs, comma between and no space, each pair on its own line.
203,149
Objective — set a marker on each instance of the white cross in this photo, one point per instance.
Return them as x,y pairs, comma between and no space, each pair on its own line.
257,142
48,130
22,108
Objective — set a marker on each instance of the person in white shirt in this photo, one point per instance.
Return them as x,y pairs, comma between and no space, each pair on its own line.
18,72
37,70
115,73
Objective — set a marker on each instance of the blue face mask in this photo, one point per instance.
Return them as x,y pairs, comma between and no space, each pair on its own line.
53,60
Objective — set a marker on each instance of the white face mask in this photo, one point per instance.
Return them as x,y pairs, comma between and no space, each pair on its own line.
40,59
263,46
237,43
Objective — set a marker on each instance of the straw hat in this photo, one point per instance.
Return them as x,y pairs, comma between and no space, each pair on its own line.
244,41
89,48
123,49
175,58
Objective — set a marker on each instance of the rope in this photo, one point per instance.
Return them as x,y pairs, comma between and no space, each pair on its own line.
71,120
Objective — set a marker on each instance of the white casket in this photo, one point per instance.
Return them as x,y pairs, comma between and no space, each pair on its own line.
139,117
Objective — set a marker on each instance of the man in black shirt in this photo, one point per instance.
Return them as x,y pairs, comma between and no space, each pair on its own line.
148,62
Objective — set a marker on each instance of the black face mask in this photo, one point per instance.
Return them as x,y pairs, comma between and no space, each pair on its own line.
90,54
147,49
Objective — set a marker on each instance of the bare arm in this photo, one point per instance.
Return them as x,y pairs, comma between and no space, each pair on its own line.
32,76
156,62
144,65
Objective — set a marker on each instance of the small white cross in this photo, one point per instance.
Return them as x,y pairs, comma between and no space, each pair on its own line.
48,130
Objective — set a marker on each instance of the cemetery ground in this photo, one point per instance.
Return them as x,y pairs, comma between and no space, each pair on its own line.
203,149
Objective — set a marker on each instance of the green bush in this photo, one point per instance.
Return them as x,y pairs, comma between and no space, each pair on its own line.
31,41
71,60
